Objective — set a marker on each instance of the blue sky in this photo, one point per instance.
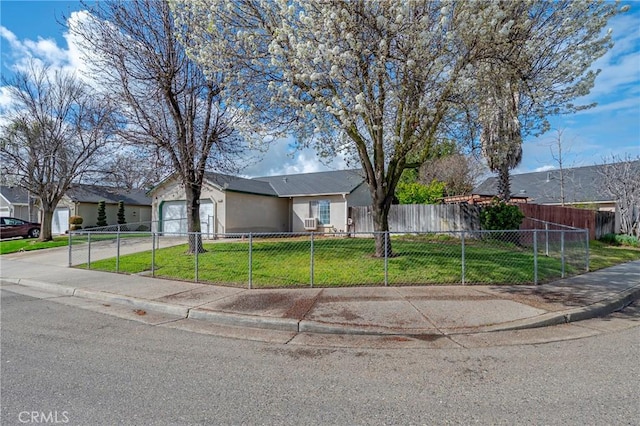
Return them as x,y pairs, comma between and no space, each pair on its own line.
611,128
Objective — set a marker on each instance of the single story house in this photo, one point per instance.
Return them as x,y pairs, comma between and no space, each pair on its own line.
16,202
579,187
287,203
82,200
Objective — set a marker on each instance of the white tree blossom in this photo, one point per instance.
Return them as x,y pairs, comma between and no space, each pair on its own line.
383,80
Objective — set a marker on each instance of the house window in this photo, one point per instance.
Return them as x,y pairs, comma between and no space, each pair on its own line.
322,210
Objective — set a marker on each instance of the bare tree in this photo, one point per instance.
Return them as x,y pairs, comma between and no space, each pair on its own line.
559,148
457,170
621,180
128,167
54,129
167,100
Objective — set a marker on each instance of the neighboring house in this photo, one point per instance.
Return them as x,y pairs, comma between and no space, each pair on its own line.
288,203
582,187
16,202
82,200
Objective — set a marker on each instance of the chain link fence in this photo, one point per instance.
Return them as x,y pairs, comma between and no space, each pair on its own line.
278,260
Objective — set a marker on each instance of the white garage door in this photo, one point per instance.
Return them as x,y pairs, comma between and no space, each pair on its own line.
174,216
60,222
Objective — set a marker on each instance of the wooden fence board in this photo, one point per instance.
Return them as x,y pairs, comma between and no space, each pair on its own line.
466,217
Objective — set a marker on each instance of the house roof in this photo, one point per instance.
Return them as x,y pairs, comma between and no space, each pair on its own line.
320,183
238,184
83,193
14,194
297,185
581,185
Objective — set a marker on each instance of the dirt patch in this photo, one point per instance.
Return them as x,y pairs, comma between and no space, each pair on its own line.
544,297
252,302
396,339
299,308
427,337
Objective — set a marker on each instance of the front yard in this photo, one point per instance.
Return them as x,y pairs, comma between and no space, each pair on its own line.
349,262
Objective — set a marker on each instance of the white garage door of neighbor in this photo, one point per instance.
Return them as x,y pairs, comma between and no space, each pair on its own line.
60,222
174,216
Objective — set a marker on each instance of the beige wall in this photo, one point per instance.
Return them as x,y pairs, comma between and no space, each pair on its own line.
89,212
174,191
255,213
338,213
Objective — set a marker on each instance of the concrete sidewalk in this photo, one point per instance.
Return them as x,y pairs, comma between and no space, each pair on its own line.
410,311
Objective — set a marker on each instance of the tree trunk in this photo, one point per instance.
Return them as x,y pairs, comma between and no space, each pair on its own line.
504,185
381,229
45,226
193,219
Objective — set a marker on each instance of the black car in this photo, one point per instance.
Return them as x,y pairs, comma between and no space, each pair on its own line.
12,227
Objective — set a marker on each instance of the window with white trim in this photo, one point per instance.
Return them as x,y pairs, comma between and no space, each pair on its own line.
321,209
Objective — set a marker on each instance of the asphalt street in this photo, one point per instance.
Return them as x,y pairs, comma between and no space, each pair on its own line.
83,367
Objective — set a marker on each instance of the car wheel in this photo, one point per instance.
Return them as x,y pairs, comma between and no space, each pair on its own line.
34,233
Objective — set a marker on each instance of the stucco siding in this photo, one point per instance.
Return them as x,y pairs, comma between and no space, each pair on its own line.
255,213
174,191
337,212
89,213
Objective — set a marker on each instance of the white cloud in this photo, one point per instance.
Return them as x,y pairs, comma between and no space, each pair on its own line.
46,50
283,158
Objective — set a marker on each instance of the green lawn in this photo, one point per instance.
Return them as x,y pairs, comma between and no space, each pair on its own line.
27,244
339,261
13,246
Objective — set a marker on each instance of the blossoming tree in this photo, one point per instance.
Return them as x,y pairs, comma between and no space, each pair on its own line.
382,81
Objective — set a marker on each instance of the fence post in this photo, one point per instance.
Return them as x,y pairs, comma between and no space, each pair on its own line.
198,237
311,260
562,250
118,250
386,258
70,242
546,239
153,254
535,256
250,260
89,250
463,259
586,232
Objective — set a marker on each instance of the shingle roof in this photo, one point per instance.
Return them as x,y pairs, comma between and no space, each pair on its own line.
581,185
95,193
14,194
320,183
238,184
298,185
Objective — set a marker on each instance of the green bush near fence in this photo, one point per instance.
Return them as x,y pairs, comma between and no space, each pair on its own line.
345,261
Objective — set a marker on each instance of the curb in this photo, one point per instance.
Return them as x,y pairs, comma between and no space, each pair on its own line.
602,308
307,326
134,302
238,320
598,309
48,287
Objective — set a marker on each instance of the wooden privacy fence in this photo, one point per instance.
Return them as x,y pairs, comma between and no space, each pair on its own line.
466,217
421,218
598,223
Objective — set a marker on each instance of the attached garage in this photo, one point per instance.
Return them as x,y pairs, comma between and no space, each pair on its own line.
60,221
173,216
